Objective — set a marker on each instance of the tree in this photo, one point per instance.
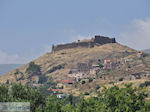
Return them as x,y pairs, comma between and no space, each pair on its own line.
68,108
126,99
4,96
21,93
42,79
83,82
33,69
53,105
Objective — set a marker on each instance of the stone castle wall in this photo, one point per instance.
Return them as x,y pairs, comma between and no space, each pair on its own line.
104,40
98,40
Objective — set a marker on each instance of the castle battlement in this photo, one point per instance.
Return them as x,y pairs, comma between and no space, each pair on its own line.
96,41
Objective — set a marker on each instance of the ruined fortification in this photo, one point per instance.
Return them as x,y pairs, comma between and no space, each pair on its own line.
97,40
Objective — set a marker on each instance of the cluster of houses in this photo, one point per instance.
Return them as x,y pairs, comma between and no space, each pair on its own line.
89,70
85,70
58,92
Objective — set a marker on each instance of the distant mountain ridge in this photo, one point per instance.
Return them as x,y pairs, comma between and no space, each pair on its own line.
5,68
146,51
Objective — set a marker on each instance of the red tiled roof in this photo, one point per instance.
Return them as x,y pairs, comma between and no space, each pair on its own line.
49,89
66,81
97,68
107,60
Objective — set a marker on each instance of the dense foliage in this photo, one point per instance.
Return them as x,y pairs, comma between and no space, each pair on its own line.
33,69
113,99
56,68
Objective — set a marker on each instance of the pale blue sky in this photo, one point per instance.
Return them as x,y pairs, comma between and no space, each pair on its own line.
29,27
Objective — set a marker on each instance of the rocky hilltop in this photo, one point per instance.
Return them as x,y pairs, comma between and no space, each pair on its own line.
83,69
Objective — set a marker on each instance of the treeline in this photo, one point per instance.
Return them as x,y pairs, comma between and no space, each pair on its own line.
113,99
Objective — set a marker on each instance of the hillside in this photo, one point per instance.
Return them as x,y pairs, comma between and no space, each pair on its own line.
146,51
83,69
5,68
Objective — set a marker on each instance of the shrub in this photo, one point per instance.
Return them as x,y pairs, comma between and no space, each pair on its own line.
42,79
101,66
33,69
56,68
146,83
86,93
121,79
83,82
129,66
97,87
7,82
90,80
111,82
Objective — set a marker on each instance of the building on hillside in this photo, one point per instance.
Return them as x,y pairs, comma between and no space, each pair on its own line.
55,91
81,68
61,96
107,64
67,82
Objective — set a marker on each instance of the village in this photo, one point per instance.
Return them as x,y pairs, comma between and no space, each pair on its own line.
90,71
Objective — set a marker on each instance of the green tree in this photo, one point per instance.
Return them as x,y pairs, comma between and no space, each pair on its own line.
53,105
33,69
42,79
126,99
83,82
4,96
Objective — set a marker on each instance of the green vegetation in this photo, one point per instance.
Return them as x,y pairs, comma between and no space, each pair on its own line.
90,80
101,66
33,69
86,93
42,79
20,93
56,68
83,82
97,87
145,84
113,99
121,79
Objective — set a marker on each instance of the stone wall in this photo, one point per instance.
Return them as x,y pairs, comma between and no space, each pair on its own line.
103,40
98,40
71,45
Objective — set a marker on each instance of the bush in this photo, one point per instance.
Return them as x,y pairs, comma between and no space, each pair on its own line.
101,66
121,79
56,68
33,69
97,87
83,82
86,93
129,66
90,80
42,79
146,83
111,82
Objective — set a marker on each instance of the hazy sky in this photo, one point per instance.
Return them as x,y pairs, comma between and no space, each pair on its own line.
28,28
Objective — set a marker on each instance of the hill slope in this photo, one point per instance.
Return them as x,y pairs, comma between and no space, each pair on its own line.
58,64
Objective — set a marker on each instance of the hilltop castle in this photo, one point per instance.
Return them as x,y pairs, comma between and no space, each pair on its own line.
97,40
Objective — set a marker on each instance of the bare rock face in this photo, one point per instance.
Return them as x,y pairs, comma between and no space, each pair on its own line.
97,40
